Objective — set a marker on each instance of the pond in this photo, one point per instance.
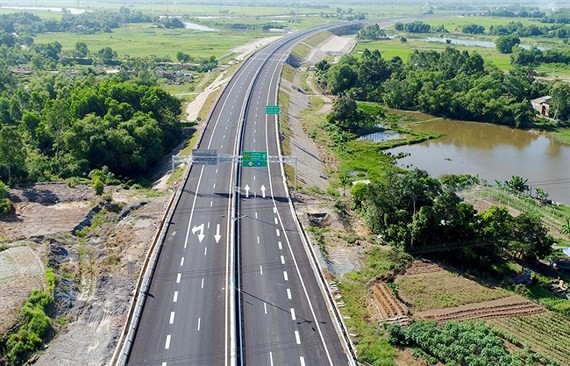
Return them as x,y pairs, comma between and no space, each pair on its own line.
199,27
492,152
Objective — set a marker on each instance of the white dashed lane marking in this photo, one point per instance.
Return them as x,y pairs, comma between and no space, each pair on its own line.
277,232
205,250
280,245
202,283
297,337
275,219
289,294
261,269
171,317
285,276
293,317
199,323
175,298
167,345
178,277
282,260
181,261
265,307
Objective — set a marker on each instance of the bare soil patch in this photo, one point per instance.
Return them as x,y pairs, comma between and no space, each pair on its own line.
423,266
21,272
509,306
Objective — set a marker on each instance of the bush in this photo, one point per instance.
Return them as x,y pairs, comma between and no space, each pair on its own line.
34,331
5,203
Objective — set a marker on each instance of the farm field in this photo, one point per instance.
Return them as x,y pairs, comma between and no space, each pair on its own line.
443,289
139,40
505,307
548,333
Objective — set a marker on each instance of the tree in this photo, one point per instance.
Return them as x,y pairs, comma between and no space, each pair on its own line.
12,152
5,204
345,113
560,98
530,238
517,184
473,29
342,76
107,55
81,49
496,226
506,43
183,57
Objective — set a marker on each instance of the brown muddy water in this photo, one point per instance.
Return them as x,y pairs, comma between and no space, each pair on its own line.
492,152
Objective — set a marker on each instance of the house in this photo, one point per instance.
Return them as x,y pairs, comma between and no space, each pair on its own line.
542,105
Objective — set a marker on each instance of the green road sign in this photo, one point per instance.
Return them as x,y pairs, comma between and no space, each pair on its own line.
250,159
272,109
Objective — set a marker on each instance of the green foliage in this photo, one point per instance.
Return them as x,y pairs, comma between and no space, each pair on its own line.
422,215
473,29
50,280
517,184
5,203
452,83
465,343
34,331
372,31
506,43
345,113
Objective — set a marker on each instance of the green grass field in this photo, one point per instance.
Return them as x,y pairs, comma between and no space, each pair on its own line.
139,40
390,48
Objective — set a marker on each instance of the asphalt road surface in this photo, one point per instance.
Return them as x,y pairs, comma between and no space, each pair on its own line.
279,316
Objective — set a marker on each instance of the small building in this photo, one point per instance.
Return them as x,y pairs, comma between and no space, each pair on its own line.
542,105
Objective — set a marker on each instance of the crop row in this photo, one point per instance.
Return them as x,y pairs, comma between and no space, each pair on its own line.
548,333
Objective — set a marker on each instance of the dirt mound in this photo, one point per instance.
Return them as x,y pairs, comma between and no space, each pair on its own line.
384,306
505,307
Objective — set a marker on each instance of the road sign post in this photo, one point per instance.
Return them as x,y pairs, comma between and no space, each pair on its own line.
272,109
251,159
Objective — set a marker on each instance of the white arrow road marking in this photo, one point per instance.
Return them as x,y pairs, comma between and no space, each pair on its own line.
246,191
199,228
263,190
217,236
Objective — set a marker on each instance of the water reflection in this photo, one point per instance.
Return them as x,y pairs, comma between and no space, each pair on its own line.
492,152
382,136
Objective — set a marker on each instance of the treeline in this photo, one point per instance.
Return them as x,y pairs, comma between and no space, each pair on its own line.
535,56
421,215
452,83
532,30
62,127
27,24
418,27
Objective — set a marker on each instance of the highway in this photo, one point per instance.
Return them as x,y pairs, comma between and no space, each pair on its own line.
278,316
